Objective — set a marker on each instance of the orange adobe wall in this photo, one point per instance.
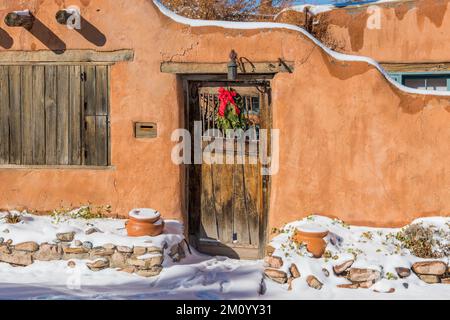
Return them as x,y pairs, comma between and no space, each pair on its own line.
351,145
408,31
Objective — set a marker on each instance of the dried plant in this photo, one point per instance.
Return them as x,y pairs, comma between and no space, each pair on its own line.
12,218
423,241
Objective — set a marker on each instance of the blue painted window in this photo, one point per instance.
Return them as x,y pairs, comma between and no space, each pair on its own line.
439,81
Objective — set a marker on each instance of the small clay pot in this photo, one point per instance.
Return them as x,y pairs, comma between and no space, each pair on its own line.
144,227
313,240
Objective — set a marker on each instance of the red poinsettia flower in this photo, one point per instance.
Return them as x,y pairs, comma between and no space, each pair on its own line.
226,97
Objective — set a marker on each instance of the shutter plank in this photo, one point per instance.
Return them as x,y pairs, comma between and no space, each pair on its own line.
90,139
101,137
4,115
50,115
27,115
38,115
101,85
15,120
62,128
76,122
90,97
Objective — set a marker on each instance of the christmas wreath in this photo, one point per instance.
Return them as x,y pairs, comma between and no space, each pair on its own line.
229,114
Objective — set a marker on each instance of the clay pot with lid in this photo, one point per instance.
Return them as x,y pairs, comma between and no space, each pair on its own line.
144,222
312,236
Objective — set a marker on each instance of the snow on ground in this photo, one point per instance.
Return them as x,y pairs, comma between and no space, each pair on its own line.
200,276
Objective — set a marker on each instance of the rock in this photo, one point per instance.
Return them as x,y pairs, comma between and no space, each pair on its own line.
445,280
326,272
71,264
429,278
88,245
8,242
363,275
139,251
92,230
98,264
29,246
6,231
403,272
276,275
391,290
289,282
146,263
274,262
348,286
177,252
269,250
77,243
77,250
48,252
20,258
313,282
118,260
109,246
1,240
154,271
129,269
365,284
406,285
75,256
294,271
5,249
341,268
65,236
436,268
100,252
124,249
154,250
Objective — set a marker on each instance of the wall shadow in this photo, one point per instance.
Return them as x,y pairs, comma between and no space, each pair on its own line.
91,33
47,37
6,41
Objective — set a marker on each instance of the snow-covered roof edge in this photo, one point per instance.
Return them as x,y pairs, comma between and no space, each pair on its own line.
275,25
320,8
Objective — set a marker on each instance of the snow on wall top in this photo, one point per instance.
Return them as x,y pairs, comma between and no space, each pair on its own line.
319,8
275,25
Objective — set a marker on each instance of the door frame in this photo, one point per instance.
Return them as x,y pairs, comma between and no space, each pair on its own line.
187,80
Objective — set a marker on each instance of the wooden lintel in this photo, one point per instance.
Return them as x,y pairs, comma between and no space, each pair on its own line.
416,67
68,56
221,67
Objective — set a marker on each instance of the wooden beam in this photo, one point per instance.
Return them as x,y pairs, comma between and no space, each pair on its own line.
23,19
416,67
221,67
75,56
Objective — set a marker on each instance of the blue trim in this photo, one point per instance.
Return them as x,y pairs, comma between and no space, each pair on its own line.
401,76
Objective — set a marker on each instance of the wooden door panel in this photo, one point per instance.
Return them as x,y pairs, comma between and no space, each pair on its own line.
230,195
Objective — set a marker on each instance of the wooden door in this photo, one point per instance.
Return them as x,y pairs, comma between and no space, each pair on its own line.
228,212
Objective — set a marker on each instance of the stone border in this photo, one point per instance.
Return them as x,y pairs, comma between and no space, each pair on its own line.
144,261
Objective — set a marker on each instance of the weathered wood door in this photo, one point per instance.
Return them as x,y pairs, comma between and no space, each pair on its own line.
227,199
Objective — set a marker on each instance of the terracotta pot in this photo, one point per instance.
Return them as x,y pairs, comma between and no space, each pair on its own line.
313,240
144,227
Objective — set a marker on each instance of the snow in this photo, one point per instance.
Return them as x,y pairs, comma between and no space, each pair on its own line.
44,229
274,25
200,276
144,214
320,8
311,228
149,256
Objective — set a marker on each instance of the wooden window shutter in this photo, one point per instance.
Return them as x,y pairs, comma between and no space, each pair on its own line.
96,115
54,115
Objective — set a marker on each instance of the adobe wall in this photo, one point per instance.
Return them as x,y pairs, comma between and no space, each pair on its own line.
409,31
351,145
